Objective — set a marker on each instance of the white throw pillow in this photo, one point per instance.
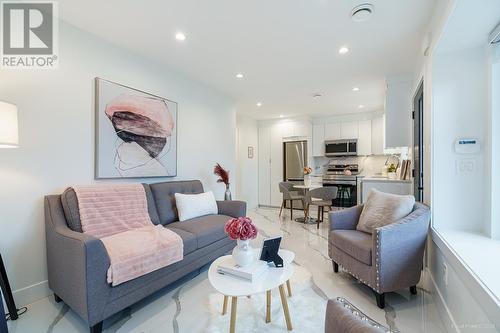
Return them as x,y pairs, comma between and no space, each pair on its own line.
190,206
384,208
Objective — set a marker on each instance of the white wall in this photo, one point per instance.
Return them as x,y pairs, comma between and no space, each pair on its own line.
56,121
461,109
247,185
495,143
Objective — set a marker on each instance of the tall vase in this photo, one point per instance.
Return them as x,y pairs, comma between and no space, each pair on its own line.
243,253
307,180
227,194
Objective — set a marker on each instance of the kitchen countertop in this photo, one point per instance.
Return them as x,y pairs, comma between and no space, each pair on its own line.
380,179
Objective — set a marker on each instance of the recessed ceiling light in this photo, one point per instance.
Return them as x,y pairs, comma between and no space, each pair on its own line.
362,12
259,104
180,36
239,76
361,106
281,116
355,89
343,50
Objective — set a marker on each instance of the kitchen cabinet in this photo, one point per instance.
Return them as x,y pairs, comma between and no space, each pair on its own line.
271,138
318,138
332,131
365,137
276,167
264,152
349,130
398,108
378,135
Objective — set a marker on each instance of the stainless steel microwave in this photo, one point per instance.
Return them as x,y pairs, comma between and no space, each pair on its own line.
341,147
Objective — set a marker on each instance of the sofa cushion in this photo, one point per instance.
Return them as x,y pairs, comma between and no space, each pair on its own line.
355,243
188,239
382,209
69,202
164,197
208,229
190,206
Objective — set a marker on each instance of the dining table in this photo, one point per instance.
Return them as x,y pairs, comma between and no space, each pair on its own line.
306,188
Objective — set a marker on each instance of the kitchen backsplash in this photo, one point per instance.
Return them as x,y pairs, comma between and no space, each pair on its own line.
369,164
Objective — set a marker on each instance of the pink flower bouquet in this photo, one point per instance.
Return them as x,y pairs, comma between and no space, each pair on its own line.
241,228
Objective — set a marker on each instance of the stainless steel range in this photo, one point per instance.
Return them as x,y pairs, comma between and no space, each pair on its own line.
344,177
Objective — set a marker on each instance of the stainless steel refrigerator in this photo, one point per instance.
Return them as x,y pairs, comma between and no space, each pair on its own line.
295,159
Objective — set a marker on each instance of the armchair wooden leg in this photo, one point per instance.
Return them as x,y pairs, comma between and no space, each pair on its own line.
319,212
413,290
291,210
57,299
335,267
282,204
380,300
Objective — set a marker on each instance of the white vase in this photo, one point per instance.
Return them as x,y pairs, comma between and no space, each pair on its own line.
307,180
243,253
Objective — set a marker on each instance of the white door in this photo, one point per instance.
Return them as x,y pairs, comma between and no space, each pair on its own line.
365,137
264,152
349,130
332,131
318,140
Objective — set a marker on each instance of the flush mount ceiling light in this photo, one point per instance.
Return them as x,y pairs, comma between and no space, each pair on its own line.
362,12
355,89
361,106
259,104
180,36
239,76
343,50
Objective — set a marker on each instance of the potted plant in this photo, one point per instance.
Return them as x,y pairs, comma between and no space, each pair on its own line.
223,178
391,171
242,229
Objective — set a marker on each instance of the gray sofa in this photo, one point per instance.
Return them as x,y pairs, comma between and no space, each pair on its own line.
77,262
389,259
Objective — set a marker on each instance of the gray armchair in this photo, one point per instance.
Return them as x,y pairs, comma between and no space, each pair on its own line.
390,259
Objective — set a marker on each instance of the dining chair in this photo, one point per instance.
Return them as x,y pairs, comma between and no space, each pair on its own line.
321,197
289,193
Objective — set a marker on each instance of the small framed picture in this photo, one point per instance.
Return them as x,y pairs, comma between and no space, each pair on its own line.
250,152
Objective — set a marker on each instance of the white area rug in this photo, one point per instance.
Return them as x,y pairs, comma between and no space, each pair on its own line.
307,310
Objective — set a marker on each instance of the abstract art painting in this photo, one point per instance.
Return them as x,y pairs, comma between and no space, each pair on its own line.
136,133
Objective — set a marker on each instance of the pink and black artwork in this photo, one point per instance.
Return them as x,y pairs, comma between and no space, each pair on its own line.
136,133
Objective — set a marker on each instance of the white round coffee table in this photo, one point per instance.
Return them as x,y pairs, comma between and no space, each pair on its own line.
269,280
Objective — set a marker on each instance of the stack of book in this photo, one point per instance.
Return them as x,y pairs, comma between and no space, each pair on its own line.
249,273
405,169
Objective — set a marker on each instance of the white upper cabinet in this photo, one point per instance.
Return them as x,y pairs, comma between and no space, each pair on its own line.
378,135
398,108
332,131
365,137
349,130
318,139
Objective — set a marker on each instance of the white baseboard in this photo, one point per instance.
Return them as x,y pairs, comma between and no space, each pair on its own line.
443,309
30,294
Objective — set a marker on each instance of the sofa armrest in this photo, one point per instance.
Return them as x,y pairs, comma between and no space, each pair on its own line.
232,208
399,250
345,219
77,264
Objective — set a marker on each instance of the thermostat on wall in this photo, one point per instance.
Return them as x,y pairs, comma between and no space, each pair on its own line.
467,146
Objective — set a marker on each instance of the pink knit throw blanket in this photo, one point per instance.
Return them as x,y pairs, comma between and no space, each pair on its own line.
117,214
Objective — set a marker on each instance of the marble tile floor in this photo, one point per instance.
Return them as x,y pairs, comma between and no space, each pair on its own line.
192,305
